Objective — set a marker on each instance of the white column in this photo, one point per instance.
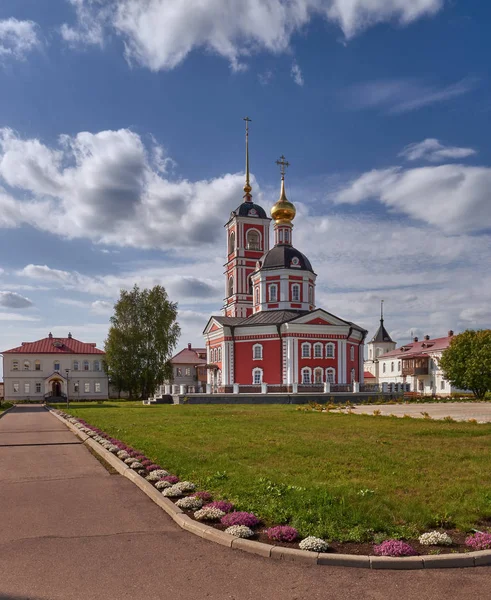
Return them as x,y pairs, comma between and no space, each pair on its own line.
295,360
342,361
236,388
327,387
361,362
225,363
264,388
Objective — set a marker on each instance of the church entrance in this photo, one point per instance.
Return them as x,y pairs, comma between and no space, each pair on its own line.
56,389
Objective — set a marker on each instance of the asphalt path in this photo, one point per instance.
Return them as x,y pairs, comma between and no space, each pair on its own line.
70,530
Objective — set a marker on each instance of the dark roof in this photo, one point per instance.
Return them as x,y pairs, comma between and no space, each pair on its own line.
52,345
281,257
264,317
381,334
244,210
228,320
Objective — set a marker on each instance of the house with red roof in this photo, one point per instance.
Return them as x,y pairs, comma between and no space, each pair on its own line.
52,368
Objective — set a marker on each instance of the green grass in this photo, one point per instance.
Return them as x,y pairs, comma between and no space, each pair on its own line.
5,406
337,476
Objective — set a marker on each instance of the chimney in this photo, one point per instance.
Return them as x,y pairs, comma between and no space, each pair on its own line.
189,346
450,333
50,335
69,336
415,339
427,337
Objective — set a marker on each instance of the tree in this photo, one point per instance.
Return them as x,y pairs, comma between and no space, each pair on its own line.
466,363
141,339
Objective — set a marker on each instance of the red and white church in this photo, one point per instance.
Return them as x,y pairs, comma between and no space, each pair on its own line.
271,330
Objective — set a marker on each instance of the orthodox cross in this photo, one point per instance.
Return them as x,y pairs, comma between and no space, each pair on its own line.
247,187
283,163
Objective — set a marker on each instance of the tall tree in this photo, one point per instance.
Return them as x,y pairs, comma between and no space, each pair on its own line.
466,363
141,339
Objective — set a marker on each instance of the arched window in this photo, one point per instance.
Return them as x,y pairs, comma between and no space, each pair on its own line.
257,352
352,376
231,286
352,353
370,354
383,368
392,367
295,293
306,375
253,240
399,366
287,236
317,350
331,375
86,365
273,292
329,350
27,365
257,376
75,365
37,365
305,350
231,243
219,355
97,365
280,236
257,295
318,375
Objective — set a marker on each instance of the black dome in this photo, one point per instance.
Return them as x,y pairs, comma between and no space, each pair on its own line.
285,257
249,209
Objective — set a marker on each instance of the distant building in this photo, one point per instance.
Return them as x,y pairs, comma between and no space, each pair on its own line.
380,344
52,367
189,369
1,390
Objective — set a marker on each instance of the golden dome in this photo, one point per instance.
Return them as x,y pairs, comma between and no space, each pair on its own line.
283,212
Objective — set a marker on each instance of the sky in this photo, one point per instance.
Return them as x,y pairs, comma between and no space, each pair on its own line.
122,155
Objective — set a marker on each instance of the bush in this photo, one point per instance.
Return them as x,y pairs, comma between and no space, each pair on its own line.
394,548
240,518
479,541
282,533
221,505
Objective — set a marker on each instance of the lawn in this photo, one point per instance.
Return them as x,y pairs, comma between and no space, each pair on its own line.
336,476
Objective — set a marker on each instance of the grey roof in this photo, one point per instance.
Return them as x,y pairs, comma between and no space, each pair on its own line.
280,257
381,334
244,211
272,317
228,320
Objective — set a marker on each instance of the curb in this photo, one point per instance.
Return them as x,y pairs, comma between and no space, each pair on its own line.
471,559
4,412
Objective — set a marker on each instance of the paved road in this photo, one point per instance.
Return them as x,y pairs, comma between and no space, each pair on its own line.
460,411
69,530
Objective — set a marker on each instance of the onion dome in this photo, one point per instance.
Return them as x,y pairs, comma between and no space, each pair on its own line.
283,212
250,209
285,257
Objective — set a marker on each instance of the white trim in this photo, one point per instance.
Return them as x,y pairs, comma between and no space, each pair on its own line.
309,371
310,350
254,371
254,357
317,370
316,345
331,371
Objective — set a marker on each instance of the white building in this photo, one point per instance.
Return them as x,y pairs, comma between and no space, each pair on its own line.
52,367
380,344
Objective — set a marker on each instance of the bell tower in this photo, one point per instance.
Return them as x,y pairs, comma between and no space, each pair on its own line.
247,240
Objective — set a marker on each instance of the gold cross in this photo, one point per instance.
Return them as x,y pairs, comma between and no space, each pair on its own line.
283,163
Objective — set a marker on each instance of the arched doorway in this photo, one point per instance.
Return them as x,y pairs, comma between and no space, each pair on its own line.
56,388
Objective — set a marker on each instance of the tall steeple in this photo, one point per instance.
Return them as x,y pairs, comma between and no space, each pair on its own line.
247,186
381,334
283,212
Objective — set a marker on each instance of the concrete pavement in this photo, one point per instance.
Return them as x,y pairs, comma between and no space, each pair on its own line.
459,411
70,530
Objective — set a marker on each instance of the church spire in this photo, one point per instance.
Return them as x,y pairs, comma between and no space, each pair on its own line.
283,212
247,186
381,335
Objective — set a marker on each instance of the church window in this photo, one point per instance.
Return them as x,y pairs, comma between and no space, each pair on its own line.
37,365
178,372
383,368
329,350
249,284
87,387
257,376
257,295
75,365
392,367
219,354
330,375
231,286
317,350
86,365
57,366
257,352
280,234
27,387
38,388
306,350
231,243
27,365
318,375
97,365
296,293
306,379
352,353
311,294
16,387
352,375
287,236
273,293
253,240
15,365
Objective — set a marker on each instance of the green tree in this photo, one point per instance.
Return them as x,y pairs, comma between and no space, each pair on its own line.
466,363
141,339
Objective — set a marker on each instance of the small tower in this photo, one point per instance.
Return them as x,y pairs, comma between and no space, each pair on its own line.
284,279
378,345
247,240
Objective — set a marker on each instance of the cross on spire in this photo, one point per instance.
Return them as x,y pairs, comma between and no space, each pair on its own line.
283,163
247,187
381,310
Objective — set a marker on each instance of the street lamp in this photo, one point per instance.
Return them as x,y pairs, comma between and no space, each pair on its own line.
67,371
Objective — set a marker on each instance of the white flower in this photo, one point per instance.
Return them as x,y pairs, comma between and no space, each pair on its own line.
435,538
123,455
161,472
129,460
172,492
190,503
314,544
185,486
136,465
209,514
162,485
156,475
241,531
113,449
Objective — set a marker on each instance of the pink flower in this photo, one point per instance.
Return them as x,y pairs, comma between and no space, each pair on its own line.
171,479
282,533
240,518
205,496
479,541
221,505
394,548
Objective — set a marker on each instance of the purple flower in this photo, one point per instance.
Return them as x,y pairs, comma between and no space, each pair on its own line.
223,505
479,541
171,479
205,496
152,467
147,462
394,548
240,518
282,533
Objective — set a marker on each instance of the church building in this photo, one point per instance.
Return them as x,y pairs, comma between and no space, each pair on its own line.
271,330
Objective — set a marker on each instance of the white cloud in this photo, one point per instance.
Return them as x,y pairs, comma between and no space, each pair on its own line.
296,74
7,316
397,96
109,187
433,150
454,198
17,38
159,34
14,300
102,307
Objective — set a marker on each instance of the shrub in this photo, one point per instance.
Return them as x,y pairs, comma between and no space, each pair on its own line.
394,548
205,496
479,541
162,484
240,531
221,505
282,533
171,479
190,503
240,518
435,538
314,544
209,514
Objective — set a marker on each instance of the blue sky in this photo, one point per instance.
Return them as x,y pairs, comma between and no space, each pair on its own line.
122,152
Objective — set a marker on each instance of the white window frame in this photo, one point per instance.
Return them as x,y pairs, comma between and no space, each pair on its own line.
15,365
257,295
87,387
331,375
259,239
97,387
76,365
56,362
230,286
259,372
26,365
27,388
257,352
37,363
311,294
188,371
333,348
316,371
318,350
16,387
76,386
295,292
231,244
97,365
273,297
308,347
306,371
